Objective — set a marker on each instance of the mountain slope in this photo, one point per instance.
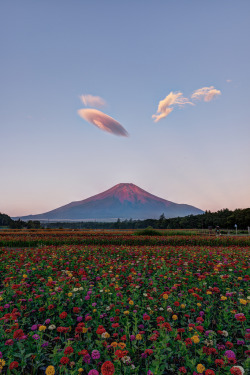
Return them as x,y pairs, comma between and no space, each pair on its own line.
122,201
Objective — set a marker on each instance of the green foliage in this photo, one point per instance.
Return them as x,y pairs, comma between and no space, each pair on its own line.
149,231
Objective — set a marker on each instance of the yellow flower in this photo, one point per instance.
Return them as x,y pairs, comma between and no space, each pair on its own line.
80,370
165,296
94,310
25,276
42,328
106,335
195,339
50,370
138,336
183,306
223,298
243,301
2,362
70,294
1,298
200,368
131,302
126,312
174,317
84,330
199,304
239,278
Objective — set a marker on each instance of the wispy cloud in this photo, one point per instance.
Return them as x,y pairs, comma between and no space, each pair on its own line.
206,94
92,101
103,121
229,80
166,106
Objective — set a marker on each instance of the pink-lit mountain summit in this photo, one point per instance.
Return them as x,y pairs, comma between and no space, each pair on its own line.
122,201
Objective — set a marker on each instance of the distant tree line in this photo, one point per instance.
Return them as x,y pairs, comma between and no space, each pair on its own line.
225,219
6,221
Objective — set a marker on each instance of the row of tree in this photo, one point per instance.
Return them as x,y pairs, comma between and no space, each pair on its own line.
225,219
6,221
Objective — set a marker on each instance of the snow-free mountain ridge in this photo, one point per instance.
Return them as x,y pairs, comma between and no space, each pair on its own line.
123,201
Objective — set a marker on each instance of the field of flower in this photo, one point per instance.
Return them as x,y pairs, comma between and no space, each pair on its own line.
124,309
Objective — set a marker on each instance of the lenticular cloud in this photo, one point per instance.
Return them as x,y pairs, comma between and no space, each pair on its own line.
103,121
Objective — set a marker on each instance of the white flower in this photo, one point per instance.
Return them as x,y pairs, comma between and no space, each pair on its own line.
225,333
169,309
51,327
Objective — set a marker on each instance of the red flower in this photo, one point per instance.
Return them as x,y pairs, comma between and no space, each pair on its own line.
76,310
69,350
13,364
235,371
219,362
107,368
18,334
63,315
64,360
209,372
182,370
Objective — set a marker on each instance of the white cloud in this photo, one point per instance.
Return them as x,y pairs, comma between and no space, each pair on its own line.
92,101
229,80
103,121
206,94
165,106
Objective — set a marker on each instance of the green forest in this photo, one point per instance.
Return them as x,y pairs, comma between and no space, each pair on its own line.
225,219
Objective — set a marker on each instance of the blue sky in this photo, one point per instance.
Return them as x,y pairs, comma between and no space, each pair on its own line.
132,54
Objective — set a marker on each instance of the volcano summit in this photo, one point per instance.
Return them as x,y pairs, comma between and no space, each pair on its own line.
122,201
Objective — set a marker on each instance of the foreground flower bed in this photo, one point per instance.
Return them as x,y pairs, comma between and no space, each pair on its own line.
124,310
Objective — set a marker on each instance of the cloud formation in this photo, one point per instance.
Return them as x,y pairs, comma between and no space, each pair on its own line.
165,106
92,101
103,121
205,93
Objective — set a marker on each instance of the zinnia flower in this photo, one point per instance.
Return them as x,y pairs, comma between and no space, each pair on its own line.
50,370
15,364
108,368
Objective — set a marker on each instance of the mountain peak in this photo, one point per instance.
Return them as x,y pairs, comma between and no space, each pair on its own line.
124,200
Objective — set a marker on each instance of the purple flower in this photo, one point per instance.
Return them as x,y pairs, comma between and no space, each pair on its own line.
79,318
230,354
34,327
240,342
1,355
95,354
47,321
132,337
221,346
36,337
45,344
93,372
87,359
149,372
87,297
144,355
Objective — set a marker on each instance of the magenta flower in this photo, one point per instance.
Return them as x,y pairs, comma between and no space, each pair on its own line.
95,354
93,372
